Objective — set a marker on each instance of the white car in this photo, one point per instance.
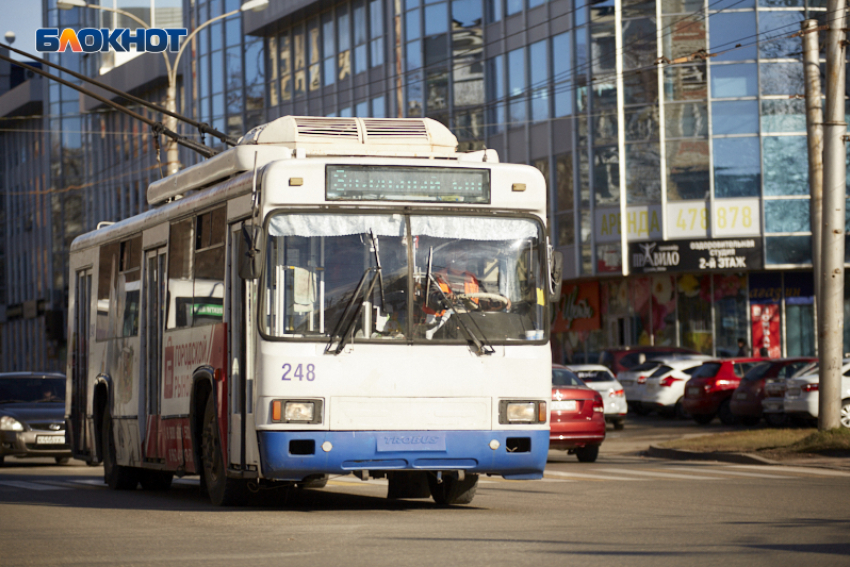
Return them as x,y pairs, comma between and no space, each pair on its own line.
599,378
634,379
664,389
802,397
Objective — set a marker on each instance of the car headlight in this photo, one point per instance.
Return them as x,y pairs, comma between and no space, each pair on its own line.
297,411
9,423
522,412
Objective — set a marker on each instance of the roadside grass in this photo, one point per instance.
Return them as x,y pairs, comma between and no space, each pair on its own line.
775,442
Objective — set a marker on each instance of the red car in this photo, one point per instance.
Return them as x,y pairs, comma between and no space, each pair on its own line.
709,391
577,423
746,401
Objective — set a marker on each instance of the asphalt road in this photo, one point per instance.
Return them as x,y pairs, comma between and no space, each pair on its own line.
622,510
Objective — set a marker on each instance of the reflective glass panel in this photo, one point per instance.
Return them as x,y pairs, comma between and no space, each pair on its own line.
735,117
732,81
788,250
775,31
687,170
729,29
783,115
786,166
782,79
686,120
685,82
737,171
787,215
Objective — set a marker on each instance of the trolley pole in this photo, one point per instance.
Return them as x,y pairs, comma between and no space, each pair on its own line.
814,128
831,335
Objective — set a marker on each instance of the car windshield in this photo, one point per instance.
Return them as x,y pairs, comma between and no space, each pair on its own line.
470,275
707,370
758,371
594,375
564,377
32,390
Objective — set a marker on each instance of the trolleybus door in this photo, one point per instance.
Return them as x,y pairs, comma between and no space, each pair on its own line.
80,366
236,341
154,321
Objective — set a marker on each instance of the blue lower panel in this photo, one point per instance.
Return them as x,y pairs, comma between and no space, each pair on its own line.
283,452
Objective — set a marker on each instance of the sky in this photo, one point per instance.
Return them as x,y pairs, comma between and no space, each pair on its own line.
22,17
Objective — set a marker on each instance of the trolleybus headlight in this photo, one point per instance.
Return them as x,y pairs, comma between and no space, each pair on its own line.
297,411
523,412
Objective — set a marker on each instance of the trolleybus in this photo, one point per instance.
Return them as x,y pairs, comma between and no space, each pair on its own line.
331,296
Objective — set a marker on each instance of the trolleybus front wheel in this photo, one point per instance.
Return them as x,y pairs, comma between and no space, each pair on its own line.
450,489
223,491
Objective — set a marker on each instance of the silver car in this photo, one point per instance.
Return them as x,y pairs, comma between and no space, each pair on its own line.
599,378
32,416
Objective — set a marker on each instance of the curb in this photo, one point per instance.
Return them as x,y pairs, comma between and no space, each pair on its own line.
679,455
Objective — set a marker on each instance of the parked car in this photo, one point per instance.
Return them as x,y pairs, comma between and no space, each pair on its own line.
634,379
773,404
32,416
802,396
577,420
664,388
746,400
709,391
624,358
599,378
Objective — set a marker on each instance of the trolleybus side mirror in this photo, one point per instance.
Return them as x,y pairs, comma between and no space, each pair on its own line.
250,252
555,276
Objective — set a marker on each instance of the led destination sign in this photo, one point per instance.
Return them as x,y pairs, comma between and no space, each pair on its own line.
376,183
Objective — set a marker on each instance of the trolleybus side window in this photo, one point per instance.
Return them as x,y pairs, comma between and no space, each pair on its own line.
208,301
196,266
180,274
105,293
118,289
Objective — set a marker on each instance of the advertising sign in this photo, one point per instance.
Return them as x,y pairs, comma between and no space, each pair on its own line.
578,309
765,321
708,255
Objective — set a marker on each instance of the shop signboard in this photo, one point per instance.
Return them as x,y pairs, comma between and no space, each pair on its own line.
765,321
704,255
578,309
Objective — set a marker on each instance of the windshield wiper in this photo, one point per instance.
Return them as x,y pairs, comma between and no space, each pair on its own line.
14,402
351,313
449,304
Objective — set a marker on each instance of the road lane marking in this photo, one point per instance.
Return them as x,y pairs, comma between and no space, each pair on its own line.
585,476
31,485
661,474
795,470
733,473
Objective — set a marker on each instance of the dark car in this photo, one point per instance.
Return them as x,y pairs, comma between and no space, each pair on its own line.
746,402
709,391
577,421
32,416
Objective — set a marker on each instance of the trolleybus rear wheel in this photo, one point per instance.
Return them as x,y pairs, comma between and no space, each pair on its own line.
118,477
223,491
451,490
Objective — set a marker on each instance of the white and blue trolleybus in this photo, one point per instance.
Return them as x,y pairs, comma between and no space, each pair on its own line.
331,296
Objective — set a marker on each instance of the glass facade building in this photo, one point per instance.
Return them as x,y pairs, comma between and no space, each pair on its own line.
671,134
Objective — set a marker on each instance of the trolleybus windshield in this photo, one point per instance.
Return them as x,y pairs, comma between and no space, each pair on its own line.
483,273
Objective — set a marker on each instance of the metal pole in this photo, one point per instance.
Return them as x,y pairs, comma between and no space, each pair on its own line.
831,333
814,127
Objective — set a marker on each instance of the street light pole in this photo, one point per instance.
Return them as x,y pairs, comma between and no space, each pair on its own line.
170,122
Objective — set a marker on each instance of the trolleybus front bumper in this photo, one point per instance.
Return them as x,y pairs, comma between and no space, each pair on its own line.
295,455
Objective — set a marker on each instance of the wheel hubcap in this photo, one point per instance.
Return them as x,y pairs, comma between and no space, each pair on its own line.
845,416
